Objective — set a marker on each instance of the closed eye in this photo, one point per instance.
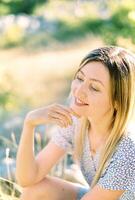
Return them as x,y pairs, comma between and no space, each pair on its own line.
79,78
91,87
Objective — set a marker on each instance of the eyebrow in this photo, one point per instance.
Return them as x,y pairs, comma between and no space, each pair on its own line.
92,79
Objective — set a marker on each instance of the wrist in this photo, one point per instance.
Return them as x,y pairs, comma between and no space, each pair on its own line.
28,125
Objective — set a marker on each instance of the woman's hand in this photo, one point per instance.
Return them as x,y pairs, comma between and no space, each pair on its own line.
53,114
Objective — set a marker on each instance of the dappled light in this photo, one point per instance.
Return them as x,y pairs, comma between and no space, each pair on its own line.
41,46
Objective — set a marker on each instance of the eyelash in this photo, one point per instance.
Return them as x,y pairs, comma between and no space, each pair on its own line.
80,79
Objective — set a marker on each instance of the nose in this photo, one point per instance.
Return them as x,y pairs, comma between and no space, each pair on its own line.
81,93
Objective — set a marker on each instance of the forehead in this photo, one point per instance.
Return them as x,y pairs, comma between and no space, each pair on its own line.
96,70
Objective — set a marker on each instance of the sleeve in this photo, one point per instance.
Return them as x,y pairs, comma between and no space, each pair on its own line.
120,173
64,137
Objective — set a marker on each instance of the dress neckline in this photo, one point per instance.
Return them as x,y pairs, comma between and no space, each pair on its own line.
93,159
89,144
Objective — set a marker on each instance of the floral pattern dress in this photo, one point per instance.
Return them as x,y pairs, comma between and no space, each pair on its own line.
120,171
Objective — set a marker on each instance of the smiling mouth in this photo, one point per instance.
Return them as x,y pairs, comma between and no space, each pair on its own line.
78,102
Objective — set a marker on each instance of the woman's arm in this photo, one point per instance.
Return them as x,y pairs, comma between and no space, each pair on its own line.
98,193
29,169
26,168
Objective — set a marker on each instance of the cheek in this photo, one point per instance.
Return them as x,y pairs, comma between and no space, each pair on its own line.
99,104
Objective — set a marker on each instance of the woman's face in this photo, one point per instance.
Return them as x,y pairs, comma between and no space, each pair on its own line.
91,91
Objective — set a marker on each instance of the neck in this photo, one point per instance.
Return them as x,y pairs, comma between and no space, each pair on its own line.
100,128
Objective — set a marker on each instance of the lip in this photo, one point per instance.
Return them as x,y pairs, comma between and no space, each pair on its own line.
80,104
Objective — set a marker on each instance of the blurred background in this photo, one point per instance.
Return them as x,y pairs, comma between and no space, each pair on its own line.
41,45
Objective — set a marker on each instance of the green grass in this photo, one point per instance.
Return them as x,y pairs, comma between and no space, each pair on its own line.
9,190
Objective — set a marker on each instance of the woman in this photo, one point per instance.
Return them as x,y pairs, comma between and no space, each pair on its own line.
94,126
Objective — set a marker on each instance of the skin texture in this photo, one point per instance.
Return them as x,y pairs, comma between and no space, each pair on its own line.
32,172
96,94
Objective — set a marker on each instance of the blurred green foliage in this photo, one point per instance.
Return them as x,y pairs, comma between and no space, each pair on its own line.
117,28
120,24
12,36
114,29
19,6
9,100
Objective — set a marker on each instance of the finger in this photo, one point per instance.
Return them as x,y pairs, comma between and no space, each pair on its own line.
64,113
59,117
56,121
69,110
63,118
63,107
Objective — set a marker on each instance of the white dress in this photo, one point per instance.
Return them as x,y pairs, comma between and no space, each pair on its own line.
120,171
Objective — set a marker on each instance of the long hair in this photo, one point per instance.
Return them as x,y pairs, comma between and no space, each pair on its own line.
121,66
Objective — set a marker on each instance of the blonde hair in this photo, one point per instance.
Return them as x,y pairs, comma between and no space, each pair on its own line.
121,66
